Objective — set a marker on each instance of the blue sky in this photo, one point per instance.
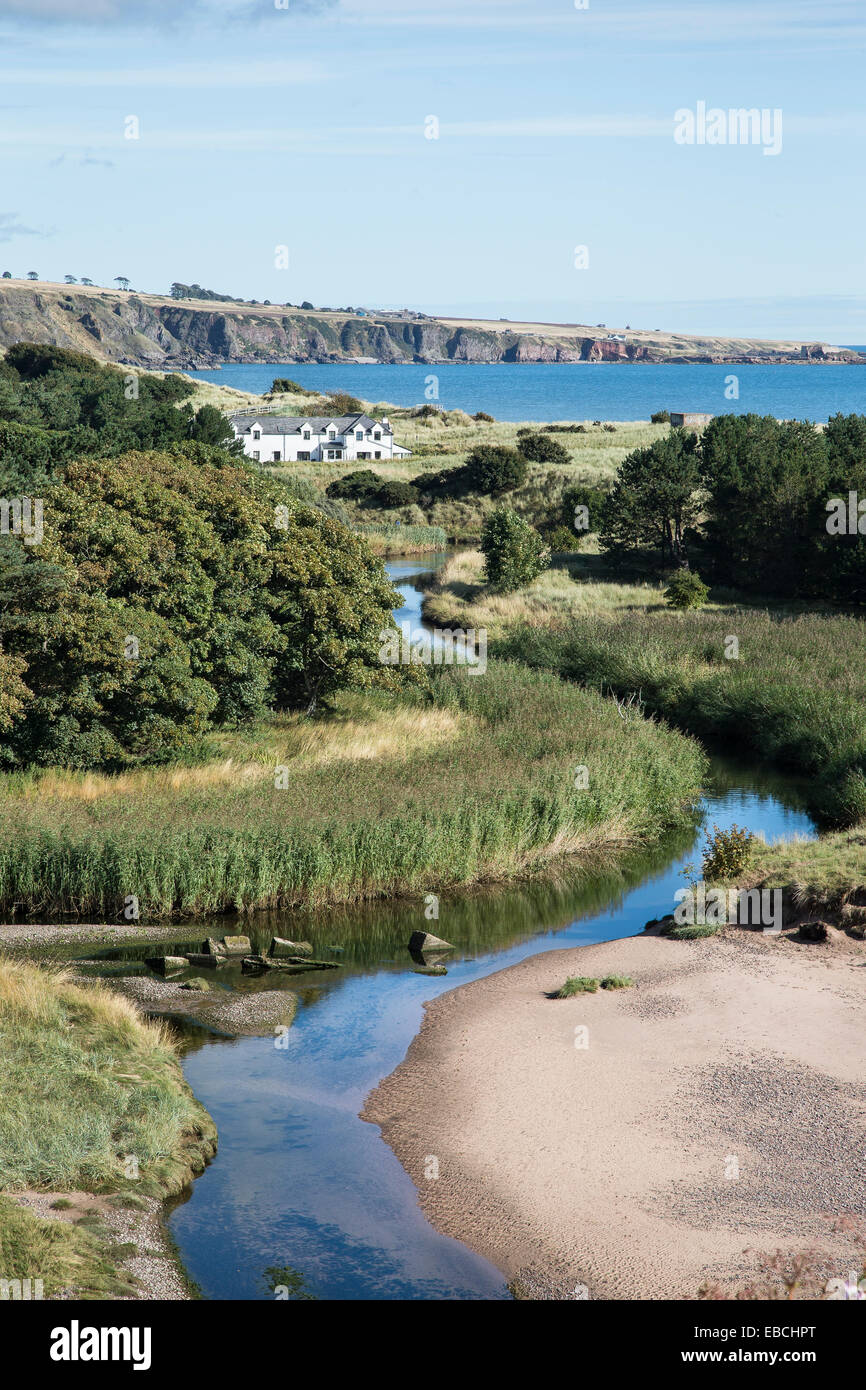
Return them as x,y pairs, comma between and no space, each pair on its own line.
304,126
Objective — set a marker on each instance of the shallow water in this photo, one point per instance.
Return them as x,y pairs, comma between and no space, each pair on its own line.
303,1192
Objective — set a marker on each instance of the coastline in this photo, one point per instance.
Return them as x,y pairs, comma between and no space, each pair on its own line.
608,1166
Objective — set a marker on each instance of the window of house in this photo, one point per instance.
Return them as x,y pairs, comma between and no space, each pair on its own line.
257,434
276,455
303,457
378,453
359,434
332,434
377,434
306,434
255,453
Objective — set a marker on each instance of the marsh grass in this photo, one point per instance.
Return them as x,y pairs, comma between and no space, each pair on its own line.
470,781
793,697
457,596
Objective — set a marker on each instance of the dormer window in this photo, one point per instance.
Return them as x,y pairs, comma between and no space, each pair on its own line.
257,434
332,434
359,434
306,434
377,434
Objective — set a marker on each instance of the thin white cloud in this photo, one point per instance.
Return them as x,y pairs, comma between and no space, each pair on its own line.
11,226
257,73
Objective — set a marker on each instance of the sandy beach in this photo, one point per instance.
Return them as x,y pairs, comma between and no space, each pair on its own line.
716,1111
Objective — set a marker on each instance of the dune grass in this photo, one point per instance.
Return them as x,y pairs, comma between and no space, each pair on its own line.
388,795
577,984
92,1099
444,441
86,1082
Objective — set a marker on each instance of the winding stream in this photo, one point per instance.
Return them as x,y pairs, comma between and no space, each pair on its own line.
302,1192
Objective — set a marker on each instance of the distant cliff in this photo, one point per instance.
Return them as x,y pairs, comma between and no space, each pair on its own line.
154,331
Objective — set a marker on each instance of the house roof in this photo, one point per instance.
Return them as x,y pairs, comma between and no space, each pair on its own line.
293,424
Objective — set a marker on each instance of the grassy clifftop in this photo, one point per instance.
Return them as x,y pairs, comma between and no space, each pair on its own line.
155,330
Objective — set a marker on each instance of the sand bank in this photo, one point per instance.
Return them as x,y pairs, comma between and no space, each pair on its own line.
719,1107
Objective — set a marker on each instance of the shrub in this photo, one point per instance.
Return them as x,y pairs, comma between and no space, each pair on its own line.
356,486
394,494
514,552
727,853
686,590
284,384
660,417
494,469
617,982
561,538
610,429
341,404
482,417
541,448
581,504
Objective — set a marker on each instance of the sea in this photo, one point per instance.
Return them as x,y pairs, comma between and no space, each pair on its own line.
541,391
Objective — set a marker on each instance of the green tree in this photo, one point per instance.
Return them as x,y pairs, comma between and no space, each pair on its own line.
493,469
331,600
514,553
653,500
766,484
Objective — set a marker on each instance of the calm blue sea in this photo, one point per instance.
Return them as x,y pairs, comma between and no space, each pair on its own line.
582,391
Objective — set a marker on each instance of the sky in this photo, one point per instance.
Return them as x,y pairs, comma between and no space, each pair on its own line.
502,158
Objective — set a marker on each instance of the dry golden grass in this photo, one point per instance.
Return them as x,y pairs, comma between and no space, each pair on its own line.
290,740
457,596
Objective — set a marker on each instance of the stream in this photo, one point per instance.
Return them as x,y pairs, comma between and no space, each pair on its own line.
302,1193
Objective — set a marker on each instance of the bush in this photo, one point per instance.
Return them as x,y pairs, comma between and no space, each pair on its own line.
583,508
561,538
483,418
494,468
617,982
660,417
514,552
356,486
727,853
284,384
686,590
341,404
541,448
394,494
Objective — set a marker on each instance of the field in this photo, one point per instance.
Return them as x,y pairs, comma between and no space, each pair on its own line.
387,795
444,442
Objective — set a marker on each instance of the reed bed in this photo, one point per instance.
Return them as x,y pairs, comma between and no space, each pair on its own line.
495,799
794,695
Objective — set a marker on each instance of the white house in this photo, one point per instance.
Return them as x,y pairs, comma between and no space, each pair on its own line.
298,438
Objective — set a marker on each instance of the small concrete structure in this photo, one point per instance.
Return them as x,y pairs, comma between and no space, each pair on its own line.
689,420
